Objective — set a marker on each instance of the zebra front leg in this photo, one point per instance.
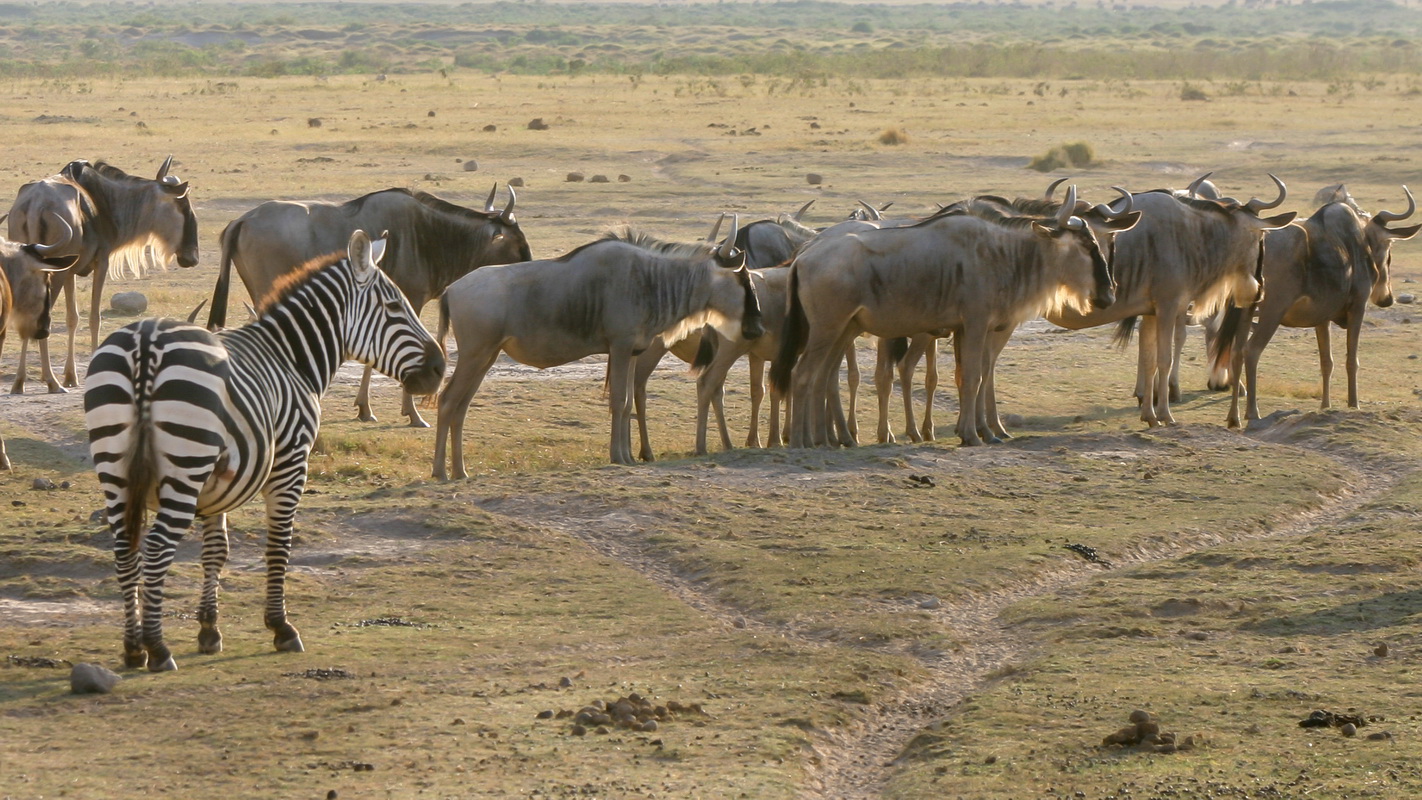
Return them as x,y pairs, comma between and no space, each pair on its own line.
215,548
409,408
281,510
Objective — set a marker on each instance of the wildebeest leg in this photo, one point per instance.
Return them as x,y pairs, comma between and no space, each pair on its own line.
71,309
620,390
215,548
757,392
969,343
1355,329
101,269
407,407
362,401
930,387
851,370
1165,362
995,430
906,366
281,515
1180,326
644,365
807,389
1258,340
454,401
1145,358
710,387
1325,359
883,387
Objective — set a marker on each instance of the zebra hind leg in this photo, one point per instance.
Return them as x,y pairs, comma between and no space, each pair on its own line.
126,562
215,548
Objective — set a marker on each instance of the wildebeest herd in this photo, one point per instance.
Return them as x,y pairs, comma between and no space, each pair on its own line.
191,421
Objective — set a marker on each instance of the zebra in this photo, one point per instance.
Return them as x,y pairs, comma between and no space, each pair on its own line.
194,424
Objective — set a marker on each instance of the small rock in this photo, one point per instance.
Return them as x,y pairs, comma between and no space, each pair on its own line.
1138,716
434,176
598,179
1349,729
545,714
471,166
42,484
565,682
312,122
515,181
1381,650
490,128
624,178
537,124
431,114
814,178
1014,420
989,759
648,726
1380,736
574,177
1407,298
129,303
1198,636
92,679
332,795
931,603
578,730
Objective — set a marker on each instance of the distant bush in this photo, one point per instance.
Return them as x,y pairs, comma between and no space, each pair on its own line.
1076,155
1192,93
893,135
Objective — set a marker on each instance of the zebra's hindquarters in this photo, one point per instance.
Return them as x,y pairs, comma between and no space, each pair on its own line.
153,407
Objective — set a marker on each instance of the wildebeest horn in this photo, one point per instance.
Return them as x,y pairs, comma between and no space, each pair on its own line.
1384,217
1105,208
716,228
728,247
46,249
872,211
1068,206
1256,205
507,214
796,216
192,318
489,204
1195,184
1052,188
163,170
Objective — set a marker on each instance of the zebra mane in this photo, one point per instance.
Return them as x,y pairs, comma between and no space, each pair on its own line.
287,284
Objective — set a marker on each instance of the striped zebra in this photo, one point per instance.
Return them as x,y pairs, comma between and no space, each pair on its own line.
194,424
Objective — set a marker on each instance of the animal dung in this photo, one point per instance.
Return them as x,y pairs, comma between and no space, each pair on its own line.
1144,733
632,712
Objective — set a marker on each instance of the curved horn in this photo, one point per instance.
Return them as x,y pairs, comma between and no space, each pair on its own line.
193,316
728,247
46,249
1195,184
1052,188
716,228
507,214
872,211
1104,209
489,204
1384,217
163,170
796,216
1068,206
1256,205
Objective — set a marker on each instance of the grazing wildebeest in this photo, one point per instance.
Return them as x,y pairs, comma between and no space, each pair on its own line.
115,219
32,264
194,424
1184,250
1322,270
432,244
951,272
615,295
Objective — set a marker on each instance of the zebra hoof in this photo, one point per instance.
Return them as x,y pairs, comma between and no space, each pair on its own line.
166,665
132,660
291,644
209,642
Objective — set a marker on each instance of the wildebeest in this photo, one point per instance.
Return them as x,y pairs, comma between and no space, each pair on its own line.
614,295
116,220
1184,250
31,263
432,244
1319,271
951,272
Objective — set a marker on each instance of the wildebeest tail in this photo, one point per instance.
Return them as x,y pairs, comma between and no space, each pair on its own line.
1232,324
217,317
706,351
898,348
1124,330
792,338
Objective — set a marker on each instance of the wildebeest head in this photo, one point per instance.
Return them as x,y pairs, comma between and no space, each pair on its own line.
175,192
507,245
1244,238
139,213
383,329
28,268
1090,227
1379,238
732,258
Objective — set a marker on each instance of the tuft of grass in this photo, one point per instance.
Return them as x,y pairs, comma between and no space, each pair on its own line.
894,135
1076,155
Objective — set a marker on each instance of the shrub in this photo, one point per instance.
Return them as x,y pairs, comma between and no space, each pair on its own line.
1075,154
893,135
1188,92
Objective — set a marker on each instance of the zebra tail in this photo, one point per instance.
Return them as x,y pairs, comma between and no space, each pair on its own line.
1124,329
141,476
217,317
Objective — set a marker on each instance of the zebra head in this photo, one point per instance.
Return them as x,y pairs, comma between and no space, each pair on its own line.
382,328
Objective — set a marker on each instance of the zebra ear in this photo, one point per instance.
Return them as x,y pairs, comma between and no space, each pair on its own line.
359,250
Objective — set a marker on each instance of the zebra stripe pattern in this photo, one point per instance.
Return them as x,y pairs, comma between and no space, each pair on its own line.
192,425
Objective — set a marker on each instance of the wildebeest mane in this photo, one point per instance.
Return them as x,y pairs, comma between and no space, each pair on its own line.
645,241
121,218
287,284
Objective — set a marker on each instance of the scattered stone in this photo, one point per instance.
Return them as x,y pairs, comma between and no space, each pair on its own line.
431,114
624,178
321,674
1330,719
1380,736
814,178
578,730
1197,636
42,484
574,177
313,122
1138,716
1381,650
515,181
129,303
598,179
565,682
1145,734
931,603
490,128
434,176
332,795
1348,729
537,124
633,712
471,166
92,679
1407,298
545,714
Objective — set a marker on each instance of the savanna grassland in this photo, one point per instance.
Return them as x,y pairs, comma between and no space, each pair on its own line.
846,631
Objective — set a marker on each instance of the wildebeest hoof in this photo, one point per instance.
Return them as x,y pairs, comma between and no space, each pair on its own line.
416,422
55,388
366,416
